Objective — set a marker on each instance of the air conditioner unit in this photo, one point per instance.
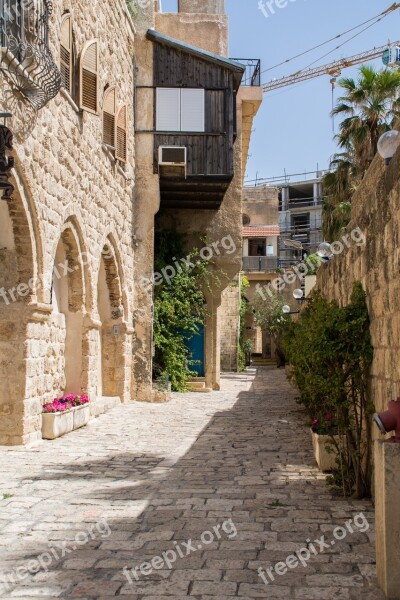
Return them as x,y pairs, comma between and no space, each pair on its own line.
172,161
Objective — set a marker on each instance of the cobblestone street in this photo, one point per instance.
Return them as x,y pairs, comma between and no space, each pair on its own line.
145,479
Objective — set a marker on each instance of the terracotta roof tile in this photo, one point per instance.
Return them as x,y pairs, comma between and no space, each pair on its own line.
260,231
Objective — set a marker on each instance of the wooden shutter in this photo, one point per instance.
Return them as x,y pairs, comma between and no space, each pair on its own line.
121,150
168,109
66,66
109,110
88,89
192,110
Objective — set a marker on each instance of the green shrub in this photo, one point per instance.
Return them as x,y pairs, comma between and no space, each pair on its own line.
330,350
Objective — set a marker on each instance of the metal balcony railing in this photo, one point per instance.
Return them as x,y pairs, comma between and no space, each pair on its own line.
294,203
26,59
304,202
252,75
260,263
296,230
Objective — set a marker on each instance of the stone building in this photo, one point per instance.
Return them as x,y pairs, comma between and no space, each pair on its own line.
77,235
260,254
207,203
66,250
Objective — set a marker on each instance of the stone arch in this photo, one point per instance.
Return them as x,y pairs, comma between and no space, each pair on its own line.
21,263
81,275
69,300
111,310
21,255
111,248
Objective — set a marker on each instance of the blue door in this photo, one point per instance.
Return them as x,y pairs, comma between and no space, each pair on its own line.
196,351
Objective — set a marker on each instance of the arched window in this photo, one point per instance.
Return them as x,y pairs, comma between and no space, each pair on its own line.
89,77
109,110
121,150
246,219
66,53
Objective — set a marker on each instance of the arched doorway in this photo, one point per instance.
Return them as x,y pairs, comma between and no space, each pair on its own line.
111,364
68,302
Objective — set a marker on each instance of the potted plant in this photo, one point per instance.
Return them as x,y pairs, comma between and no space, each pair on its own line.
80,409
326,441
64,415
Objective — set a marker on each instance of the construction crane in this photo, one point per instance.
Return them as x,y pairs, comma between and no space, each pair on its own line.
335,68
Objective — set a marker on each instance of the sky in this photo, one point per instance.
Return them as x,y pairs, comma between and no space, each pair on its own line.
293,129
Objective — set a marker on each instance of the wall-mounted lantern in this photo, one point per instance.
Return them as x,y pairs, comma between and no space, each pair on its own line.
388,144
299,296
325,251
389,420
288,311
6,162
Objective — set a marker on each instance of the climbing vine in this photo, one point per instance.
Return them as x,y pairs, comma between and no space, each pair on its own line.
133,8
179,308
330,350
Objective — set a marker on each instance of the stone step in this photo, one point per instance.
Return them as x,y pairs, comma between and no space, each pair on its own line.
198,385
104,404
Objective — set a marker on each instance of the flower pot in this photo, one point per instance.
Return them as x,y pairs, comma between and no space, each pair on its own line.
326,461
81,415
54,425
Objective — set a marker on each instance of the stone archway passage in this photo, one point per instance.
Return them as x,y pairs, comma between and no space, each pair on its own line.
68,300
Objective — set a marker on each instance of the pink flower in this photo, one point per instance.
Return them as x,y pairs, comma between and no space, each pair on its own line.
64,403
328,417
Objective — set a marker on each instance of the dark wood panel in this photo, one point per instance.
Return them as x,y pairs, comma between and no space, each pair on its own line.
206,154
215,111
178,69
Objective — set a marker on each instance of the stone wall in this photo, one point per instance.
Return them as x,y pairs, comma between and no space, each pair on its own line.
71,194
230,323
261,204
376,211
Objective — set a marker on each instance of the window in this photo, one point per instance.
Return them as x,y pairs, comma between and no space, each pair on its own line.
109,109
257,247
121,141
180,109
66,62
246,220
169,6
88,88
11,24
168,109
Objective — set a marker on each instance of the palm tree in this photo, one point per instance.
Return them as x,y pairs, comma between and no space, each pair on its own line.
339,186
370,106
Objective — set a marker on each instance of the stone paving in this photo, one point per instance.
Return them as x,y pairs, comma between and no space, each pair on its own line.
181,478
